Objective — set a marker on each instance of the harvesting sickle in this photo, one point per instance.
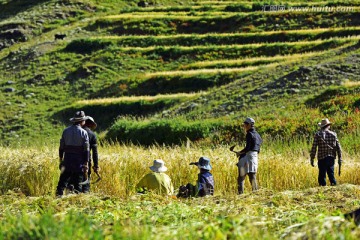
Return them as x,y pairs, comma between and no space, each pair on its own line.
339,169
87,179
238,153
232,149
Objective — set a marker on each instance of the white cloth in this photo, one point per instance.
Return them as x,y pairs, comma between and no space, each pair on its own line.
248,163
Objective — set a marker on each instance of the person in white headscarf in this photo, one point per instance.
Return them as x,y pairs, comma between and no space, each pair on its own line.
156,181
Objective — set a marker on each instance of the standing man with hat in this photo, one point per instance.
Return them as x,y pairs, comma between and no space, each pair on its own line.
157,181
74,154
90,125
327,145
248,157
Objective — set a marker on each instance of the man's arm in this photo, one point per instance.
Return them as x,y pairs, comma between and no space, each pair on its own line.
201,186
313,150
86,154
249,142
95,157
314,147
61,152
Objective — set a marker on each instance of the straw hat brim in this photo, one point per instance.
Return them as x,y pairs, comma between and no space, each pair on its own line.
160,169
206,167
78,119
327,124
92,124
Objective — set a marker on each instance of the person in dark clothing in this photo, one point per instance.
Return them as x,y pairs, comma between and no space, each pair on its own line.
90,125
248,157
73,154
328,145
205,184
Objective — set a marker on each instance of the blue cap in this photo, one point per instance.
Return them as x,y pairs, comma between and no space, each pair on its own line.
204,163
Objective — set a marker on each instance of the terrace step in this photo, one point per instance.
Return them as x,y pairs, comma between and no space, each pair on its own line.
230,38
163,23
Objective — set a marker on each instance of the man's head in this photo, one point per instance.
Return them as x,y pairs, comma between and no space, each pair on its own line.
248,123
90,123
324,124
79,118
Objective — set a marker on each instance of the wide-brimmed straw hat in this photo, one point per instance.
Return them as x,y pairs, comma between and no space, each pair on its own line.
158,166
204,163
324,122
90,122
78,117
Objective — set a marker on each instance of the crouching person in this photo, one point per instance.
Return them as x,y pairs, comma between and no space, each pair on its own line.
205,183
156,181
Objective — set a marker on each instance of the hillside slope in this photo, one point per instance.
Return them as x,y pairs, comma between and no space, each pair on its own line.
212,62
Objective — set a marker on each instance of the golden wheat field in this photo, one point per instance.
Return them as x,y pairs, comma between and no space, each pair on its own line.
34,171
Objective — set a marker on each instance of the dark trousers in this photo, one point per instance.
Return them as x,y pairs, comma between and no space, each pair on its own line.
75,178
241,181
326,165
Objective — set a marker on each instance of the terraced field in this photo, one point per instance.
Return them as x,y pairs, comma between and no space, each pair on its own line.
219,48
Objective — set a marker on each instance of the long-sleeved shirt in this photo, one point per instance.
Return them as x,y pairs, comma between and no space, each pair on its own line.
93,147
159,183
253,141
74,148
327,144
206,183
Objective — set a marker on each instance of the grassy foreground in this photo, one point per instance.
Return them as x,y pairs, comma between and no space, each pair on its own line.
315,213
288,205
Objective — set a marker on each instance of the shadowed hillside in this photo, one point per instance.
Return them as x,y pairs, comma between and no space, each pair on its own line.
213,61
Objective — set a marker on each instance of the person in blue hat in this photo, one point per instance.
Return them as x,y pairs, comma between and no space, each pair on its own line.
205,183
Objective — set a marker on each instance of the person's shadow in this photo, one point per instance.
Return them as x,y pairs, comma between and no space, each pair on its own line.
354,215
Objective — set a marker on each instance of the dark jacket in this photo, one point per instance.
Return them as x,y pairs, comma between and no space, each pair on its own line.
205,183
93,148
74,148
253,141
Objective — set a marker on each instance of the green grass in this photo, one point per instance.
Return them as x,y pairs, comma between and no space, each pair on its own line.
140,106
315,214
50,76
246,61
